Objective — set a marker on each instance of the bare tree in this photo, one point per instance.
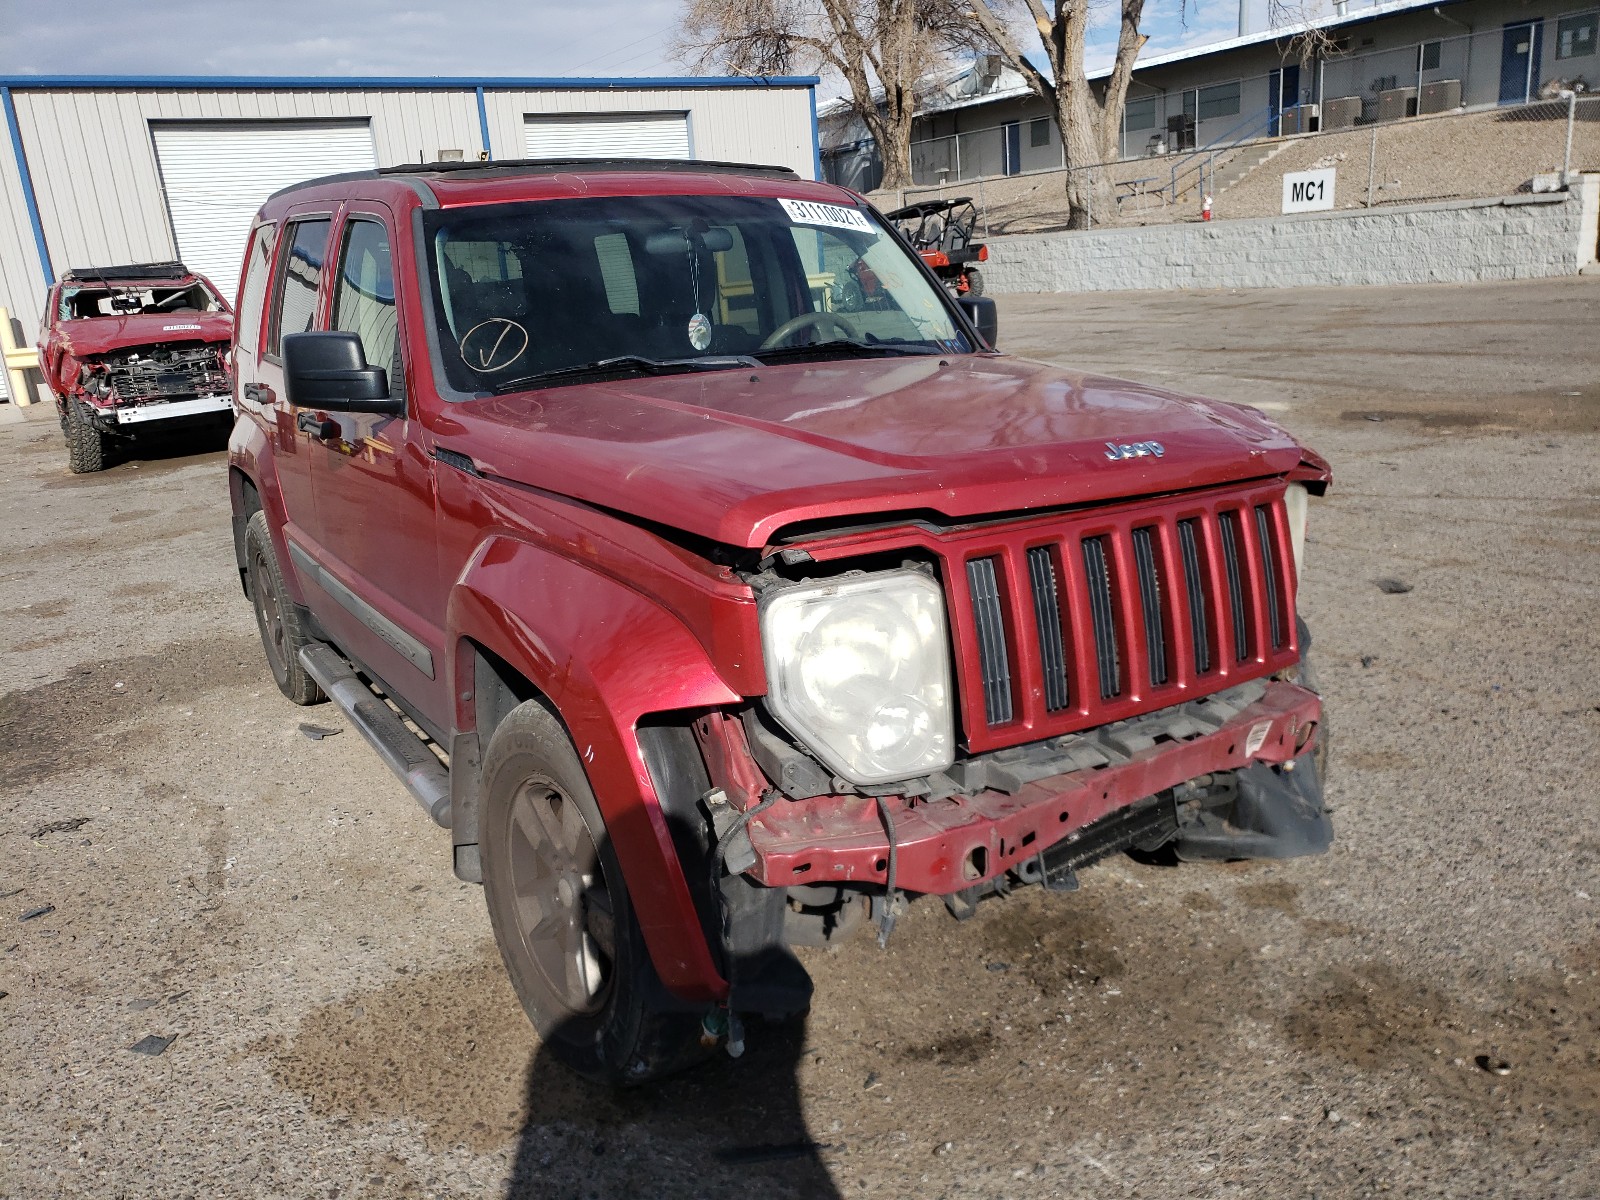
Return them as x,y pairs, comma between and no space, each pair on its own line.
1090,124
880,49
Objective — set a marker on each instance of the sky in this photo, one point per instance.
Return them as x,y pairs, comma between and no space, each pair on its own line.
417,37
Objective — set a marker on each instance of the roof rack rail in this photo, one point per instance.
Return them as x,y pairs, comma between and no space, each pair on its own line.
542,166
160,270
546,166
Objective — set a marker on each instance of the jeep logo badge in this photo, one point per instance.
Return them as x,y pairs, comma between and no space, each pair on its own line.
1117,452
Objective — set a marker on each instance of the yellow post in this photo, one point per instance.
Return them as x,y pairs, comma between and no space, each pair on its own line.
20,359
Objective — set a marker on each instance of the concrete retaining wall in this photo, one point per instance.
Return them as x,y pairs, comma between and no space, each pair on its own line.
1522,237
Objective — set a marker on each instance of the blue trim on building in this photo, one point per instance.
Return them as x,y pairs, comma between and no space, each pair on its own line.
816,139
28,197
367,83
483,126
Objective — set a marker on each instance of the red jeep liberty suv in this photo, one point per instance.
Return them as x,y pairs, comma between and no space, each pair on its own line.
691,555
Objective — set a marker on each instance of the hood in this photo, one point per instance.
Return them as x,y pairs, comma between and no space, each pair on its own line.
100,335
736,455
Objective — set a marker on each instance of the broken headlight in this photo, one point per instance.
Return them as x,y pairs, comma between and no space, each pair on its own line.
1295,502
858,670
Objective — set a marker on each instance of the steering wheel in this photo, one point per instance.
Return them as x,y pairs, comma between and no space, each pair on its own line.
841,328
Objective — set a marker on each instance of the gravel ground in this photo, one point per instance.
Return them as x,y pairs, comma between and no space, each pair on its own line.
1446,157
1326,1027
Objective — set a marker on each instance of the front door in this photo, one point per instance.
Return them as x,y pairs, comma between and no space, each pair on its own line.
296,286
1012,163
374,486
1519,62
1283,89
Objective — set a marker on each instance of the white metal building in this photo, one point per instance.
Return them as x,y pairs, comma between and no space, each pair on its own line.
107,170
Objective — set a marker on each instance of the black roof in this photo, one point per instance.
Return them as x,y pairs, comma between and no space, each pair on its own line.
162,270
925,207
549,166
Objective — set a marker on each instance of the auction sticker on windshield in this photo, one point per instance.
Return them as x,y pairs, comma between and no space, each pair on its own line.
809,212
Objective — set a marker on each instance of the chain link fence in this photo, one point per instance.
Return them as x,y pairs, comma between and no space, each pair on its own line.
1501,151
1478,114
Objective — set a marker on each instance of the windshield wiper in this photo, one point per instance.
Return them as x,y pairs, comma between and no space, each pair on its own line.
622,367
844,347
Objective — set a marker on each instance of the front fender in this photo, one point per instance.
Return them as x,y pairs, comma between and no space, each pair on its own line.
604,655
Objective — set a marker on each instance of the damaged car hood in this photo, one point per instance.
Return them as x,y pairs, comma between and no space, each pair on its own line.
90,336
736,455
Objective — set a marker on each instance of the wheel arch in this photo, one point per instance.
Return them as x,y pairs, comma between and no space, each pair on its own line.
527,623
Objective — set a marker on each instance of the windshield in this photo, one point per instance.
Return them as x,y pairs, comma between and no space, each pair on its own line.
524,290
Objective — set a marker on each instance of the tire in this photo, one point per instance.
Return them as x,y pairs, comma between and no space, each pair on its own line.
86,445
279,620
561,913
974,282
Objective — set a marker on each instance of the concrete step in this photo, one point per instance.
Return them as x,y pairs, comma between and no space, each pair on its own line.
1246,164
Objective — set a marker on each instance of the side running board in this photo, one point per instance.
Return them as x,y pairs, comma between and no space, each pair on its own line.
402,751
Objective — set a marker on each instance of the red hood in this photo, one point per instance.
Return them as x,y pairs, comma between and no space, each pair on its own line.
100,335
721,456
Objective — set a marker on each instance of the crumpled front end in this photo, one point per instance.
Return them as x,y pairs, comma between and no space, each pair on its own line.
162,382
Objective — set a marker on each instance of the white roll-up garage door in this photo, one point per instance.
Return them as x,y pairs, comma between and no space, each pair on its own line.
217,173
608,135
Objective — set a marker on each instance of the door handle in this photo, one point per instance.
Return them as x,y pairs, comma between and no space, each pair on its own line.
318,427
258,393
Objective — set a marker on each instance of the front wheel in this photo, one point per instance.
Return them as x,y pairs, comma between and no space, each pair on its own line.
280,622
86,445
561,913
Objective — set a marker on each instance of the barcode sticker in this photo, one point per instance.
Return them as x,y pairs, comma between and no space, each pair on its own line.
1258,736
834,216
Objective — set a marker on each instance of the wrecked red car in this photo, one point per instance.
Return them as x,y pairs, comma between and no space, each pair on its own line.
130,348
716,603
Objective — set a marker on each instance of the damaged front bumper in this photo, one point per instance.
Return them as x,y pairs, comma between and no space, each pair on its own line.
1227,776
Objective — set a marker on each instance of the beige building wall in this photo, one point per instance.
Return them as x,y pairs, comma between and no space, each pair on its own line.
98,188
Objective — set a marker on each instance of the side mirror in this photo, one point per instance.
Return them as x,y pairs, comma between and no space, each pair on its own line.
985,318
329,371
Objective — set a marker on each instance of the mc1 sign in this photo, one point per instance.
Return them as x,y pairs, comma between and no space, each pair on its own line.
1308,191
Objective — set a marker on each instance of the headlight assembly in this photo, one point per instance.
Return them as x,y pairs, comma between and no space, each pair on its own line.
858,671
1295,501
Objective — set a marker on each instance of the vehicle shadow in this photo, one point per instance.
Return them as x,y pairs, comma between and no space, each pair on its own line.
155,445
729,1128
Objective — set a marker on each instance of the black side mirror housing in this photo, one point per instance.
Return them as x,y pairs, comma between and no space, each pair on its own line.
984,316
328,370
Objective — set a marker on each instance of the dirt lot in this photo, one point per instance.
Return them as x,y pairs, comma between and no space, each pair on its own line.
1418,1012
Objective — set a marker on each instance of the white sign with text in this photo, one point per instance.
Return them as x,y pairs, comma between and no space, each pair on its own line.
1308,191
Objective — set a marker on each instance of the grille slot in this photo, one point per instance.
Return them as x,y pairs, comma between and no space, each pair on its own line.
1144,561
1047,613
1098,573
1228,527
1269,565
1194,585
993,653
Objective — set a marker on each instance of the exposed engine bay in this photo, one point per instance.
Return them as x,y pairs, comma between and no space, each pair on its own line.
156,373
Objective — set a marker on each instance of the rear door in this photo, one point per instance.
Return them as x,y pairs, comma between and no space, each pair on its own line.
374,483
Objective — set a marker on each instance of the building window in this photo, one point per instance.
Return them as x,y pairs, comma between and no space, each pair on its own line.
1039,131
1140,114
1429,53
1575,36
1219,101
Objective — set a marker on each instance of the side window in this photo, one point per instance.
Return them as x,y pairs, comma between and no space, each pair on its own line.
364,302
861,286
253,295
305,250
